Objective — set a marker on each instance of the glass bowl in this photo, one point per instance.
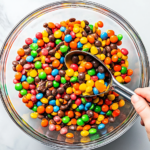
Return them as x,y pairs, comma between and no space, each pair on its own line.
56,12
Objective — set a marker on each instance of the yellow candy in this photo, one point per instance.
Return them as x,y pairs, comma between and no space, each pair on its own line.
82,24
82,87
121,103
103,43
28,96
114,106
124,57
96,100
83,62
79,35
81,30
98,56
70,72
119,54
43,59
84,133
126,63
85,139
96,25
101,118
117,74
90,83
119,79
76,29
101,81
44,33
100,39
89,89
85,93
83,40
87,77
57,34
111,97
58,102
57,55
75,73
40,70
87,45
69,123
76,25
101,95
69,90
46,39
98,122
33,73
102,57
81,57
94,50
54,113
34,115
74,106
108,66
44,100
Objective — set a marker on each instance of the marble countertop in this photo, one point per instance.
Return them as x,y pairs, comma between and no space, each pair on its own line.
135,11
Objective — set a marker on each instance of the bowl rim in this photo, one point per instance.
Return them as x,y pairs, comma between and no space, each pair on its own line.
3,92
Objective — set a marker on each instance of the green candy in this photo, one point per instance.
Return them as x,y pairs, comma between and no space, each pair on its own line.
34,53
18,86
77,109
38,65
58,41
34,108
92,107
85,49
65,119
63,48
123,70
42,75
23,92
85,118
63,80
92,72
97,109
119,60
49,116
30,79
94,137
83,100
55,84
120,36
73,79
92,131
109,113
91,27
34,46
73,102
80,122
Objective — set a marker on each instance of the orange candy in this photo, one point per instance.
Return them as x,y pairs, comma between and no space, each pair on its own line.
77,92
41,109
29,104
110,33
87,127
49,109
69,135
25,100
25,85
19,68
58,127
81,69
98,31
95,116
127,79
100,24
114,51
51,25
91,39
108,42
129,72
114,58
105,121
48,70
18,75
70,114
88,65
101,87
73,121
107,60
73,44
113,39
40,42
76,86
79,128
44,122
20,52
56,63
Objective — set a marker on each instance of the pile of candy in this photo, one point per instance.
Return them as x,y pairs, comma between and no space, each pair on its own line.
52,91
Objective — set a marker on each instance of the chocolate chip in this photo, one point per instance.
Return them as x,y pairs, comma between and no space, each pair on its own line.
38,50
25,46
49,84
14,68
67,31
52,52
48,93
72,19
52,38
88,58
87,28
111,119
54,92
62,73
81,76
113,46
75,59
63,107
45,25
37,79
95,63
73,127
90,113
61,113
43,89
48,31
42,83
15,63
98,43
101,69
108,49
84,34
60,90
86,22
27,51
22,62
67,97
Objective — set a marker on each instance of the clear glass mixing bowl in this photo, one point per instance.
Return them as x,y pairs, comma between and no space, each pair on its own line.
56,12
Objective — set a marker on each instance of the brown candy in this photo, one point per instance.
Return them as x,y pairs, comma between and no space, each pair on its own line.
52,52
62,73
52,38
87,28
37,79
72,19
90,113
15,63
67,97
101,69
45,25
63,107
81,76
25,46
38,50
60,90
49,31
54,92
58,46
88,58
27,51
69,102
111,119
23,62
84,34
73,127
108,49
95,63
113,46
86,22
67,31
110,129
61,113
40,116
48,93
14,68
75,59
49,84
98,43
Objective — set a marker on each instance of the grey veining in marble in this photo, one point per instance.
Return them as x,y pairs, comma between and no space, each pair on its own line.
11,11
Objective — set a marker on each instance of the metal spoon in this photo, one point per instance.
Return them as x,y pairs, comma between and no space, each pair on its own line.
114,85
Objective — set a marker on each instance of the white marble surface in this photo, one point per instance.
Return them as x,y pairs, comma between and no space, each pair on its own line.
135,11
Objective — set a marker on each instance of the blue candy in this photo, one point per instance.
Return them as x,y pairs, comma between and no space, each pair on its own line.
23,78
81,107
39,95
85,108
106,83
62,60
62,29
35,40
95,91
103,131
68,38
101,75
54,72
52,102
102,113
39,103
55,108
104,36
29,58
101,126
88,104
79,45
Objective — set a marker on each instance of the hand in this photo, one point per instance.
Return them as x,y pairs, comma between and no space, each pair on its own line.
142,107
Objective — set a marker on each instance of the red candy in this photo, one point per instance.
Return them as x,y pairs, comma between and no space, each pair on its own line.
18,58
73,96
52,44
58,25
74,67
28,41
44,66
124,51
57,78
72,34
94,78
39,35
50,77
44,52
